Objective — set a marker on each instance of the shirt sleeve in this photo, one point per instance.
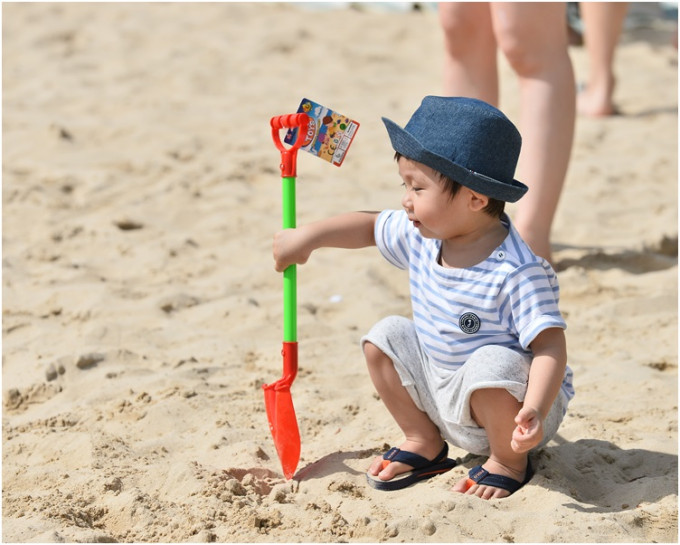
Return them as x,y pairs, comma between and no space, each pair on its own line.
392,231
532,303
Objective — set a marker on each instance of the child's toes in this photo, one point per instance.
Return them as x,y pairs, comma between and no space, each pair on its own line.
462,486
376,466
391,470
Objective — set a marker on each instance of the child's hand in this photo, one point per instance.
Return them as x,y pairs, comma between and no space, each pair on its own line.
289,248
529,430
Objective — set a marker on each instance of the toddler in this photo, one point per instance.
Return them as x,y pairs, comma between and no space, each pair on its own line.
482,364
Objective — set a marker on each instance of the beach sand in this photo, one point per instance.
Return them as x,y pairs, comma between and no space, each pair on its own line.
142,313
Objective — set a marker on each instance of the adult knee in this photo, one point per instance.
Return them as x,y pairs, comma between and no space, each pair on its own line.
523,57
461,27
531,45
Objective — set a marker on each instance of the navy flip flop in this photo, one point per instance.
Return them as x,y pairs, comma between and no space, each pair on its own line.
422,468
479,475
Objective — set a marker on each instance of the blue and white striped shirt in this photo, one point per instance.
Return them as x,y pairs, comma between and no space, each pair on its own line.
506,300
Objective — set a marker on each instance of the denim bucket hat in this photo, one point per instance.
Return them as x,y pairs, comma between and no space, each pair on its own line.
465,139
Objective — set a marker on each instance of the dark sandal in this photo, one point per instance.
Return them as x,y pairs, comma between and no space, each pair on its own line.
422,468
479,475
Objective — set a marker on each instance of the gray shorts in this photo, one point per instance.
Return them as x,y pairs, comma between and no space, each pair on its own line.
445,395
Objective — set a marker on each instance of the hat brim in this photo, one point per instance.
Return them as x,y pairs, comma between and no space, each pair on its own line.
409,147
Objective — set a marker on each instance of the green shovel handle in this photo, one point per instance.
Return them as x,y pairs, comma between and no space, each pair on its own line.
290,273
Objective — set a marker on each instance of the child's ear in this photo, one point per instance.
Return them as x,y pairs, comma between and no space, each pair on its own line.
477,201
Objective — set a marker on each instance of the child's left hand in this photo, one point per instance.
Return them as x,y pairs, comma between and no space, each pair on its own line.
529,430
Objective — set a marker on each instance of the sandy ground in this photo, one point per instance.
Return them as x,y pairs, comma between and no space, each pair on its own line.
142,314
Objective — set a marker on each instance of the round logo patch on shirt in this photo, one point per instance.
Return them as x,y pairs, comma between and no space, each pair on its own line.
469,323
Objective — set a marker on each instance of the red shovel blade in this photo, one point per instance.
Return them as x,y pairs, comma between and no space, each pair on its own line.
281,413
283,425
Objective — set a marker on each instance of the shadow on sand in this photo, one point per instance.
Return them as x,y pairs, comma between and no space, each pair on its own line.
606,477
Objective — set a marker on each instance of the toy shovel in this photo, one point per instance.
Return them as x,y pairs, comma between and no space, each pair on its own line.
277,398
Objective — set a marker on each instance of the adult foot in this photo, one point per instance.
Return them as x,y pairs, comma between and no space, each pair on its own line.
591,103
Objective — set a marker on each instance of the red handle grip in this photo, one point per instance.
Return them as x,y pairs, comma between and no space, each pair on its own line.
289,121
298,121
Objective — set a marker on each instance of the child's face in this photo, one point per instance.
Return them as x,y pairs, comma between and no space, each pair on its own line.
428,204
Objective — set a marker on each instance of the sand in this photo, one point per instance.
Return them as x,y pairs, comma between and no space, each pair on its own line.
142,314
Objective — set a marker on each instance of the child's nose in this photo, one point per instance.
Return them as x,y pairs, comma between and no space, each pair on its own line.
406,200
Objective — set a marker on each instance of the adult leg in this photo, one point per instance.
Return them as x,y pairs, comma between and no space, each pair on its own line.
469,51
494,409
603,26
422,436
533,37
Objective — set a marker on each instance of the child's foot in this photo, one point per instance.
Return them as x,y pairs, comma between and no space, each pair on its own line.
385,470
487,490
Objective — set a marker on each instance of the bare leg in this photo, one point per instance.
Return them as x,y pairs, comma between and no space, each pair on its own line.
603,26
533,37
495,410
469,51
422,436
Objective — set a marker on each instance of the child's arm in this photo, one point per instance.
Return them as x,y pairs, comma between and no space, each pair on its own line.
545,380
351,230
